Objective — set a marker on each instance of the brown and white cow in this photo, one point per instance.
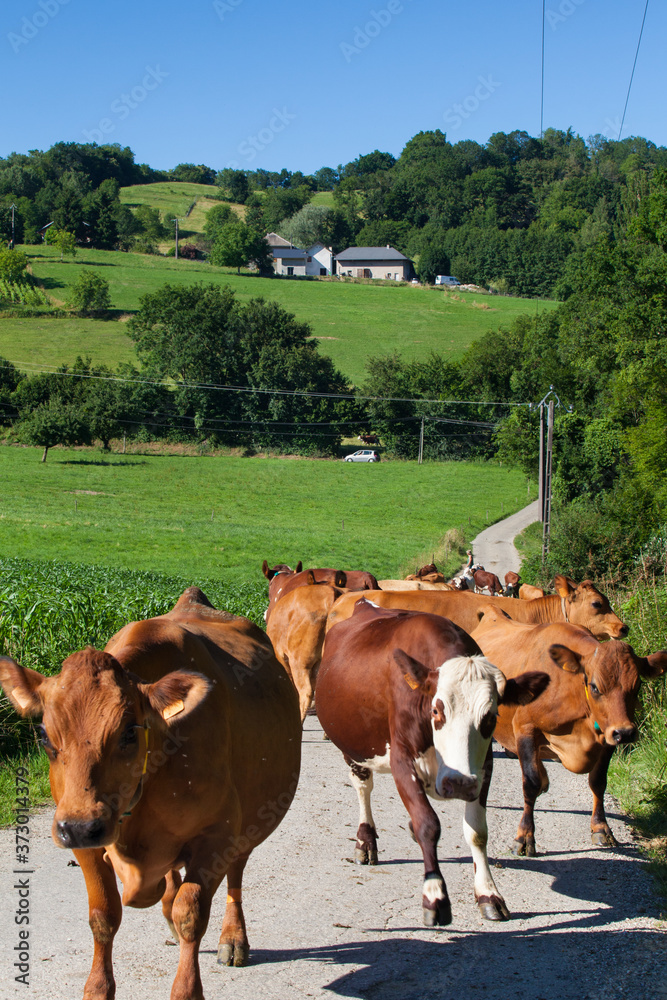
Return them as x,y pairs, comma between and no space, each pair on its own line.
512,581
587,711
177,747
487,581
580,604
296,628
411,694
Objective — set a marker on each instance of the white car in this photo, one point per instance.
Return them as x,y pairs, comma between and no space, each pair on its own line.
364,455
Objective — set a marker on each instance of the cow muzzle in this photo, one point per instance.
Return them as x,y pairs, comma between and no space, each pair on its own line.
454,785
624,734
81,833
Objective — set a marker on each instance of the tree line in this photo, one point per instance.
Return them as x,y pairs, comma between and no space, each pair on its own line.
507,213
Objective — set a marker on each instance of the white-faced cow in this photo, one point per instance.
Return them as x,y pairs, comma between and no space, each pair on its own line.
411,694
178,747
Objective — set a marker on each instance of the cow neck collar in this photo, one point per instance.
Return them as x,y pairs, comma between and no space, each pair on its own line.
140,787
596,727
562,604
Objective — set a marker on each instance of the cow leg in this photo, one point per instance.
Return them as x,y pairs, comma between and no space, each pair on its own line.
425,827
535,781
190,912
105,912
601,834
233,946
174,882
366,848
491,904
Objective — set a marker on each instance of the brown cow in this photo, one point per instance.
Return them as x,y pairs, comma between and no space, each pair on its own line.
511,584
529,593
283,583
270,572
155,767
581,604
587,711
410,693
296,629
412,585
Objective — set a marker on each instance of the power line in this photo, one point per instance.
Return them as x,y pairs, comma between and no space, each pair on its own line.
632,75
34,370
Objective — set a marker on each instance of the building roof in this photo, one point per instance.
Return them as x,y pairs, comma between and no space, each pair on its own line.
370,253
289,252
276,241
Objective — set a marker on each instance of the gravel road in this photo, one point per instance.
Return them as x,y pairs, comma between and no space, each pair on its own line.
585,922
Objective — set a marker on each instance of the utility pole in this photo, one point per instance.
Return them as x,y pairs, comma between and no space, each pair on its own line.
546,461
177,222
13,207
421,444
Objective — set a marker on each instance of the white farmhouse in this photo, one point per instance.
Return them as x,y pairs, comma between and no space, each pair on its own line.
374,262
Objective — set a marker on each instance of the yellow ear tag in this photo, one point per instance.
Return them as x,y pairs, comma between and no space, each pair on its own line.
411,681
173,709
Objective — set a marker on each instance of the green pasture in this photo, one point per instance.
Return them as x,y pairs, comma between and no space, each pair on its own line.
352,321
173,199
219,517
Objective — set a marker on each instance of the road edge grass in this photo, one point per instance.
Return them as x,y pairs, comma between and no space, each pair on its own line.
637,775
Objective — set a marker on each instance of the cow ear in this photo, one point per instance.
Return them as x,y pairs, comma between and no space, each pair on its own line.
566,658
525,688
22,686
176,694
299,567
563,585
268,573
415,673
653,665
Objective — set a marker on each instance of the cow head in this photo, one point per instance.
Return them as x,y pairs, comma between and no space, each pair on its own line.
583,604
464,694
611,676
271,571
96,722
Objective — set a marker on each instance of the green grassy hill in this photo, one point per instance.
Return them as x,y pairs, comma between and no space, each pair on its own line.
173,199
353,321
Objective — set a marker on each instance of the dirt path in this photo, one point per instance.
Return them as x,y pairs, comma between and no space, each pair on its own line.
494,547
583,919
585,923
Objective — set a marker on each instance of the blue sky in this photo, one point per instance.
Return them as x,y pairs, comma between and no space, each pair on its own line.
256,83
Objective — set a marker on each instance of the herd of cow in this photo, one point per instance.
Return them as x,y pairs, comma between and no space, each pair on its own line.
178,747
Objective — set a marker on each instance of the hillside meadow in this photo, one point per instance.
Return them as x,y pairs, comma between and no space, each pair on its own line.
353,321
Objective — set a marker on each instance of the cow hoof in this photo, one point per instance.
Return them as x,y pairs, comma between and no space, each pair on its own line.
524,848
603,838
440,916
233,954
365,856
493,908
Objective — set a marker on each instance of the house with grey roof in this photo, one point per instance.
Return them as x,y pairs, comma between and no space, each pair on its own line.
289,260
374,262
